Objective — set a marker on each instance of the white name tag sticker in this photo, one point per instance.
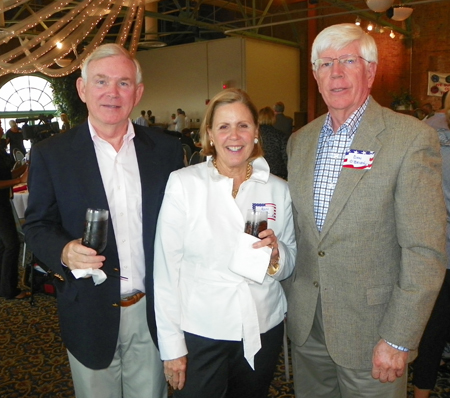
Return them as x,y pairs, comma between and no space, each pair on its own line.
271,209
355,159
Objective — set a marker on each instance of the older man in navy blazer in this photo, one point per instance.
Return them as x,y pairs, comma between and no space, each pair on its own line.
107,162
368,205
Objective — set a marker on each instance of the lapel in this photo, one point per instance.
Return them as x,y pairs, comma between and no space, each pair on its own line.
371,125
90,178
306,172
150,172
93,194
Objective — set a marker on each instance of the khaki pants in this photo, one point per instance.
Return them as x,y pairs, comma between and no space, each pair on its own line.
316,375
136,370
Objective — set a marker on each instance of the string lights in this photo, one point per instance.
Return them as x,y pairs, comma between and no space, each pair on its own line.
374,28
59,49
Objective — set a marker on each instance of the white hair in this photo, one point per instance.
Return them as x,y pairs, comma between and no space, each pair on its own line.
110,50
340,36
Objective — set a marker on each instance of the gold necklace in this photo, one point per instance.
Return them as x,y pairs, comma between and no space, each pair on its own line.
234,192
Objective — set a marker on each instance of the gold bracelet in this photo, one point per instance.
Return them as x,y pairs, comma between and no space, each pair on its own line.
273,268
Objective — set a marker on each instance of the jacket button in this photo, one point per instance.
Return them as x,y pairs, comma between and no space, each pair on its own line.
115,305
316,284
321,254
116,269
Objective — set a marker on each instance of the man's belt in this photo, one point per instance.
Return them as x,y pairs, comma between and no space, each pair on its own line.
130,300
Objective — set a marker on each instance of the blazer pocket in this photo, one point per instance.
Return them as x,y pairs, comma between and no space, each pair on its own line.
379,294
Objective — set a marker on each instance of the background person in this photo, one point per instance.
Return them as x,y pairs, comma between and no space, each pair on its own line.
179,121
187,122
9,240
15,139
141,120
108,163
219,333
171,124
66,123
3,143
282,122
427,110
273,142
150,118
439,120
366,188
437,331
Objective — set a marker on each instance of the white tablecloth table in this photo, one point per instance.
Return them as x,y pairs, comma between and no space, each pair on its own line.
20,200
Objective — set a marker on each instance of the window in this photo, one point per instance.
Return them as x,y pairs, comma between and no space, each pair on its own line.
25,97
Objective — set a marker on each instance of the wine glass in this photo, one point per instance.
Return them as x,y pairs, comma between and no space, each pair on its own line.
96,229
255,222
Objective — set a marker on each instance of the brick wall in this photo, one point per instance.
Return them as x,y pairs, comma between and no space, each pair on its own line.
404,63
431,47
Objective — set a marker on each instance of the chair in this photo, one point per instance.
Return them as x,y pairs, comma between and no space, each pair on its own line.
17,155
196,158
27,276
17,164
185,158
187,150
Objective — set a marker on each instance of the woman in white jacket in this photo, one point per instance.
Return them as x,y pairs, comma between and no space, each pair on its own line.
220,327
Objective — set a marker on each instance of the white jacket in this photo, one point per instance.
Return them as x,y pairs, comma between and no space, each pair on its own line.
197,230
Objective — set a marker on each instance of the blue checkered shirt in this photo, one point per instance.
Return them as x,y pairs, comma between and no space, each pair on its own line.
330,157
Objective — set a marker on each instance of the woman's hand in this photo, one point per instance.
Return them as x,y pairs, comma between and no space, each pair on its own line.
269,239
175,372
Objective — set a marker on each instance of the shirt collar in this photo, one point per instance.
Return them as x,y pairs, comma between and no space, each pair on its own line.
126,138
350,125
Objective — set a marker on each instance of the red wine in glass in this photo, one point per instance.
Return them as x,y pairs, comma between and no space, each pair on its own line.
256,222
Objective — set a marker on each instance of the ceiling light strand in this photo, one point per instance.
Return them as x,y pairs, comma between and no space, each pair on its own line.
41,53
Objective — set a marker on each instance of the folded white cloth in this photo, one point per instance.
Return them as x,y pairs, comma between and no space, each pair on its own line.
97,274
249,262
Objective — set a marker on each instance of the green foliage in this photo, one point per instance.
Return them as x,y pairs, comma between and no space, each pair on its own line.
403,98
65,97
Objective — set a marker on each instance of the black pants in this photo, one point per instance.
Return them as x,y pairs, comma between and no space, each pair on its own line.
9,252
218,369
435,336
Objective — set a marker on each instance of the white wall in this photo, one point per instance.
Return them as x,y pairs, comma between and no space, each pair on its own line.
186,76
173,78
273,74
225,64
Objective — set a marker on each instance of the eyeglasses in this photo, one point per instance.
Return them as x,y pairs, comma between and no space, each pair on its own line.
327,63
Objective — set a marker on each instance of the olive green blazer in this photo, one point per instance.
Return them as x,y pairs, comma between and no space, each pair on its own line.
379,261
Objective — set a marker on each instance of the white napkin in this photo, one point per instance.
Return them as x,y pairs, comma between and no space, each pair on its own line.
97,274
249,262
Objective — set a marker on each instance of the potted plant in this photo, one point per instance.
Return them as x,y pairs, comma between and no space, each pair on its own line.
403,100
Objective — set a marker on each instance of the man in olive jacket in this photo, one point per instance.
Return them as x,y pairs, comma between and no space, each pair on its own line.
370,222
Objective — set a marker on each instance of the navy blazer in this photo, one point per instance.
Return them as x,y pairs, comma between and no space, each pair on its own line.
64,181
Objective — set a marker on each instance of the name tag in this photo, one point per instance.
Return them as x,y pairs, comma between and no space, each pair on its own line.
355,159
271,209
